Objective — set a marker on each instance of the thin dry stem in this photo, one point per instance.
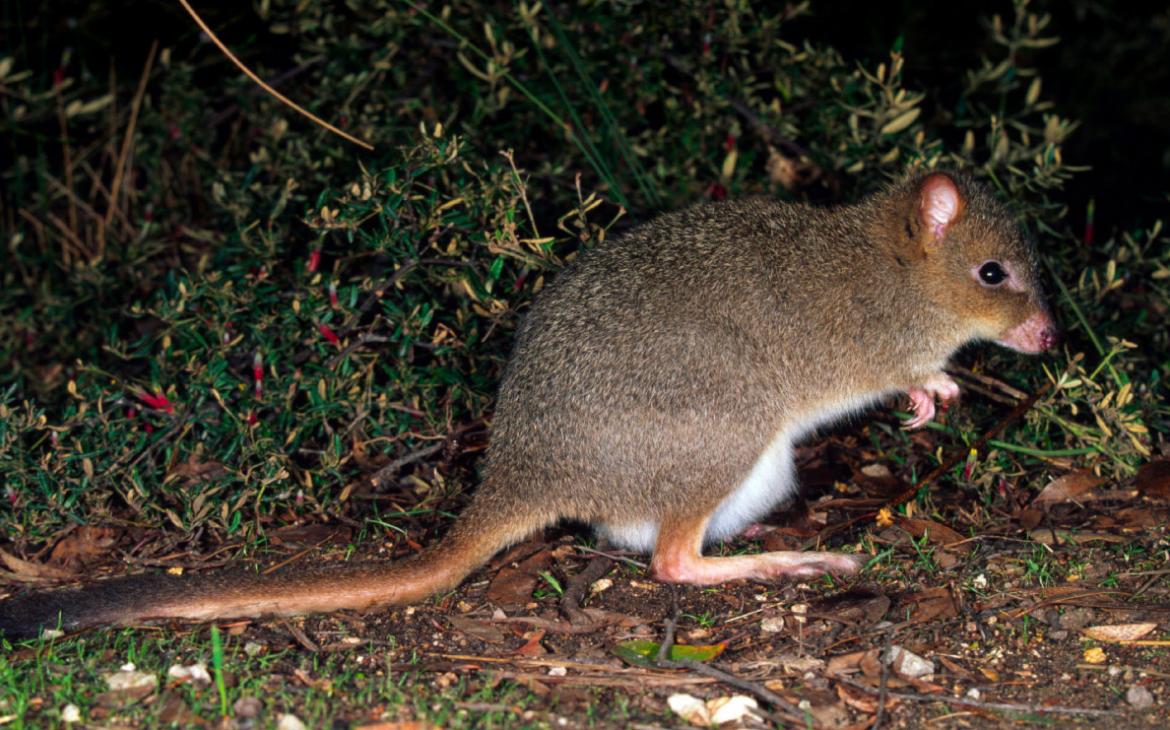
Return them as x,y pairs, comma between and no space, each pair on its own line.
273,92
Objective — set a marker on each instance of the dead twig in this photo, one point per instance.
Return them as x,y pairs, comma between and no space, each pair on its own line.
124,152
301,637
573,599
361,340
962,702
373,297
988,393
883,684
614,556
960,455
383,475
784,710
296,556
1013,393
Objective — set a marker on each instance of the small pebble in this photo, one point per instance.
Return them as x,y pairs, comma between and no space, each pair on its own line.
247,707
907,663
1139,698
289,722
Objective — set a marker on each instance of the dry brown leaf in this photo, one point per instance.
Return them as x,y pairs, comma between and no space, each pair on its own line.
924,687
1029,518
175,711
954,667
1072,487
83,546
1119,632
195,470
779,539
863,702
933,603
127,686
29,572
937,533
876,480
514,584
854,607
1153,481
845,663
871,664
831,716
1045,536
532,647
1136,518
477,629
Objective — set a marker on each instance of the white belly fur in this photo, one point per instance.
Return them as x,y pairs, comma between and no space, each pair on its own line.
771,481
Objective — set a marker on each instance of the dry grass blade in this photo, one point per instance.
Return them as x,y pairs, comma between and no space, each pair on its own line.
124,153
260,82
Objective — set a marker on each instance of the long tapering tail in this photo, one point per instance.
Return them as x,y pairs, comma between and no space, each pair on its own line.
471,542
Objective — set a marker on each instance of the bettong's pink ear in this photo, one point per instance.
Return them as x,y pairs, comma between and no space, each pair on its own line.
940,204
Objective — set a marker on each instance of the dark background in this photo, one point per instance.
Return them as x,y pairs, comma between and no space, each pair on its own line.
1111,69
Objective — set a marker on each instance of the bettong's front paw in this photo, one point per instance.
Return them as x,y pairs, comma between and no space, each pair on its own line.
922,399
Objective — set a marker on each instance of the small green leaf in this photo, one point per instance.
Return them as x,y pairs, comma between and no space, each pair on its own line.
552,582
643,652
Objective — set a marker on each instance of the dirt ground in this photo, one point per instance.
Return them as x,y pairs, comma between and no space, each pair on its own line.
984,604
1053,611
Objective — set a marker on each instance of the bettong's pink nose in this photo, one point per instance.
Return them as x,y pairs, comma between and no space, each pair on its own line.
1049,336
1034,335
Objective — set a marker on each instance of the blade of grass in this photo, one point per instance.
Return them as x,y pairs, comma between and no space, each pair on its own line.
615,132
572,112
217,666
576,138
1084,322
1008,446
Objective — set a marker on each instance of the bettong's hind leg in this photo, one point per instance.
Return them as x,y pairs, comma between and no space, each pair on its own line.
678,558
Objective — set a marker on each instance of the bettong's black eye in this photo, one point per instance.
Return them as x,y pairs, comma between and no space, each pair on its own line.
992,274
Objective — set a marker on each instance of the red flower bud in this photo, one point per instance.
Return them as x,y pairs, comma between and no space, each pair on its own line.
257,372
158,402
328,334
